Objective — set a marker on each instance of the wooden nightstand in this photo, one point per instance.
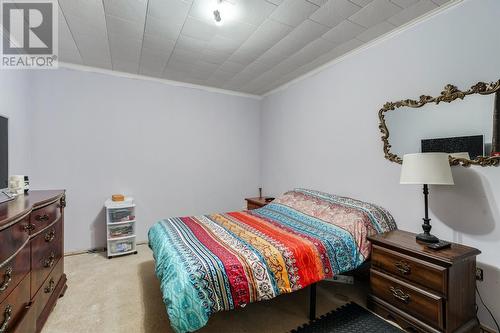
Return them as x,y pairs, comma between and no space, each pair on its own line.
421,289
254,203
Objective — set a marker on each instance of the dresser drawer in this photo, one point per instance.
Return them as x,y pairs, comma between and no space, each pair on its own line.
42,217
424,274
46,250
14,270
406,322
13,307
48,286
13,238
415,301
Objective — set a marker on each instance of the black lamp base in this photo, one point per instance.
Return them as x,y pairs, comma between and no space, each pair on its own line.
427,238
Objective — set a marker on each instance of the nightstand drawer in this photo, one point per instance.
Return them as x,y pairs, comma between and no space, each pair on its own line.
417,302
422,273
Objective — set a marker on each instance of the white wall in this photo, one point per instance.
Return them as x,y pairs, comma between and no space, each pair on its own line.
323,133
178,151
15,104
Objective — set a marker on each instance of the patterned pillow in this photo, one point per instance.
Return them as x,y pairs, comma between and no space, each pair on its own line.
343,212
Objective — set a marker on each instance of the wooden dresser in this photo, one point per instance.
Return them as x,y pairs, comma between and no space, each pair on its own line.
423,290
31,259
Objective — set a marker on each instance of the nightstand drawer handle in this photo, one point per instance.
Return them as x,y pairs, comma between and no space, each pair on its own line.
403,267
7,314
7,277
399,294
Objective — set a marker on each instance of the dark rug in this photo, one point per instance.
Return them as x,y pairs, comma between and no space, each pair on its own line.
348,319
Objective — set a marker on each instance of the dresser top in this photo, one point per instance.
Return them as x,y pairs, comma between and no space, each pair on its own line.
404,241
22,205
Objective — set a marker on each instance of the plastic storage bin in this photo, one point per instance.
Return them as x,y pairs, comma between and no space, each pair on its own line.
120,227
122,246
121,230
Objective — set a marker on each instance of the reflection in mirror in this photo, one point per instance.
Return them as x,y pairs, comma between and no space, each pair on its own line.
464,127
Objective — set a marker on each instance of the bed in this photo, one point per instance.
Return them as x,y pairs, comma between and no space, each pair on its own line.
217,262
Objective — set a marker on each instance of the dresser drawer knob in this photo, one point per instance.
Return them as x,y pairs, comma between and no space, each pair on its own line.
50,288
49,262
42,218
29,227
403,267
49,236
7,277
7,314
400,295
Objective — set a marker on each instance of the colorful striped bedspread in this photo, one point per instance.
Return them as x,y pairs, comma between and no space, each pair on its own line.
217,262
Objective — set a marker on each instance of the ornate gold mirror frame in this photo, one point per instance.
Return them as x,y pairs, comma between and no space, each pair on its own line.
448,95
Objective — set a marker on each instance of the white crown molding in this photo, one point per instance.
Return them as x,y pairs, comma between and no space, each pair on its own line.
84,68
363,47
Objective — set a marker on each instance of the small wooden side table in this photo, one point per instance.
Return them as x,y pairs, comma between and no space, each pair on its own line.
254,203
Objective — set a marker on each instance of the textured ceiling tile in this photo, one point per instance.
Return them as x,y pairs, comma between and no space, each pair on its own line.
255,11
190,44
152,62
239,31
293,12
288,45
68,51
172,74
199,29
118,26
318,2
275,2
375,31
242,58
90,10
172,10
131,10
163,28
185,57
215,57
410,13
404,3
375,12
361,3
344,48
222,44
158,44
334,12
314,50
271,58
126,66
343,32
231,67
269,33
308,31
124,48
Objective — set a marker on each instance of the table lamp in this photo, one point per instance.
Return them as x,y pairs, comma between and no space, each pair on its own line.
426,169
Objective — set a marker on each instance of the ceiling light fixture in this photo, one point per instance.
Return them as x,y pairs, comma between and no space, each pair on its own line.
223,11
217,18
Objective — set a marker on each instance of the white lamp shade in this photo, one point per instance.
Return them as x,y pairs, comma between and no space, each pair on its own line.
426,168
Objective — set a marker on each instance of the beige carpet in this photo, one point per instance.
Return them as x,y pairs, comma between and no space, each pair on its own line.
123,295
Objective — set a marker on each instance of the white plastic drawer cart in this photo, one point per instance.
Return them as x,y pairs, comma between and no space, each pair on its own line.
120,227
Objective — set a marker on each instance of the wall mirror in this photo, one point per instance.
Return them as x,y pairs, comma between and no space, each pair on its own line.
465,124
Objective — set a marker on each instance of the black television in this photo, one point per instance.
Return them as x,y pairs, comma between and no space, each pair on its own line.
4,152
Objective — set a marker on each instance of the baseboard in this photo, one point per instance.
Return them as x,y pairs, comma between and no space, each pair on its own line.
97,250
